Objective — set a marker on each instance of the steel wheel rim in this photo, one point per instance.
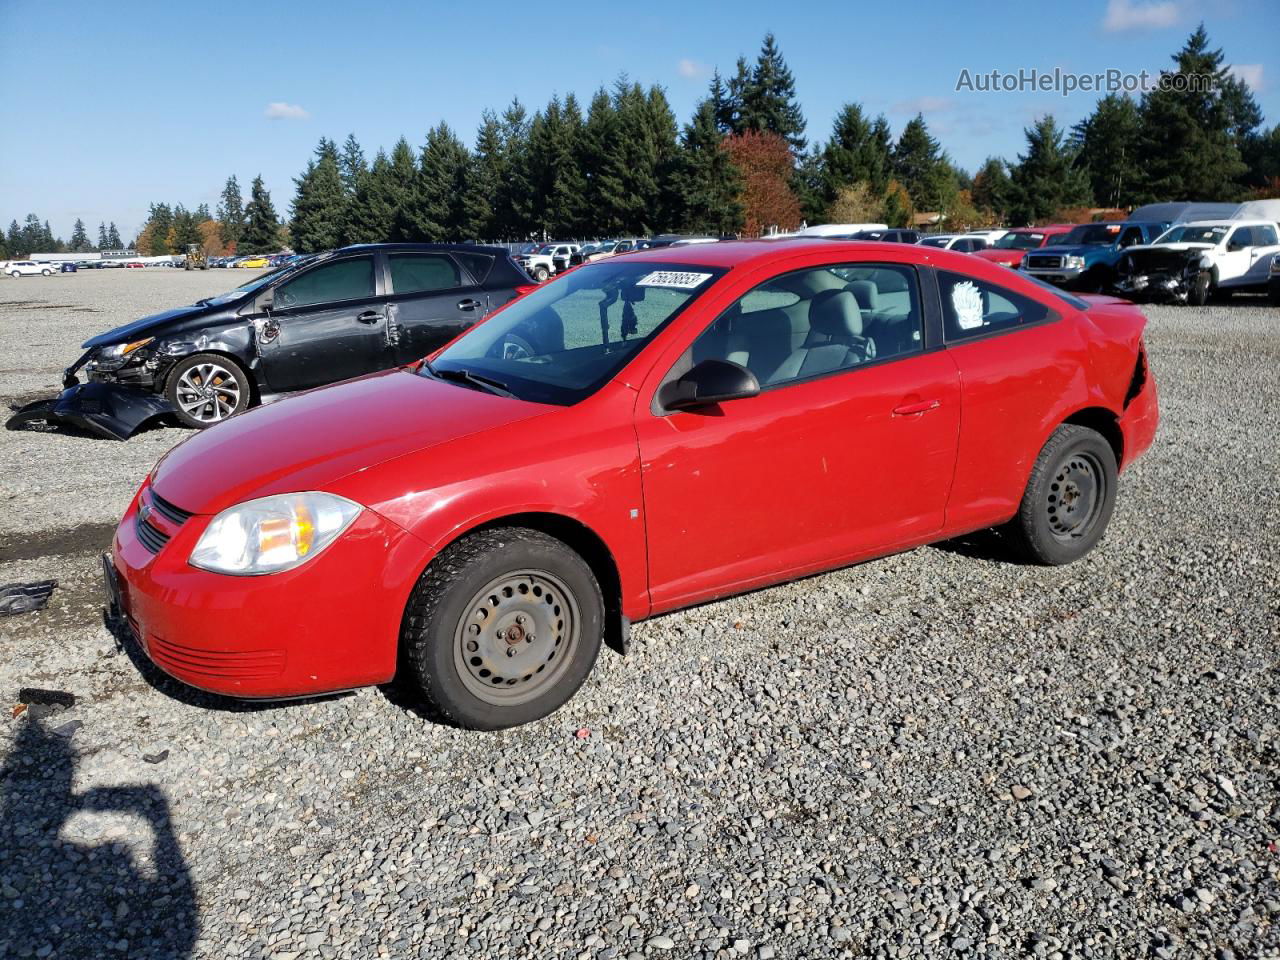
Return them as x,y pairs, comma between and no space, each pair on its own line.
1076,495
208,392
517,637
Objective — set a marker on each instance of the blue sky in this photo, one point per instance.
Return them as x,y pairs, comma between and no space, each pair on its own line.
111,106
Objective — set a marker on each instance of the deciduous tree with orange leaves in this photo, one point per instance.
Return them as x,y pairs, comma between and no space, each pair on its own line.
766,164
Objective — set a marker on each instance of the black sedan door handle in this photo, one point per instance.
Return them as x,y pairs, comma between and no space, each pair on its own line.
469,304
369,316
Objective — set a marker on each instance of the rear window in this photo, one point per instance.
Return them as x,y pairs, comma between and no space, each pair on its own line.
423,273
477,264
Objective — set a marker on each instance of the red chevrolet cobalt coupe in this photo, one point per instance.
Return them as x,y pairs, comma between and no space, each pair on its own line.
644,433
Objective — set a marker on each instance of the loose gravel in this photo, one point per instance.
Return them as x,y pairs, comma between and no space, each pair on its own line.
937,754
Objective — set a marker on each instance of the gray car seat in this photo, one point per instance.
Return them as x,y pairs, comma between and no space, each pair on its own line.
837,341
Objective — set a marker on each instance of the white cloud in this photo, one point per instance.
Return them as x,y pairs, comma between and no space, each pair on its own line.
1250,73
1136,15
279,110
691,69
923,105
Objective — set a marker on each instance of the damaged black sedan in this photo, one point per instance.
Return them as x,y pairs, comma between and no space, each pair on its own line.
325,318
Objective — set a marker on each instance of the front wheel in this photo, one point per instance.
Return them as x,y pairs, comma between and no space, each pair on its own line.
47,273
1069,497
206,388
502,629
1201,288
540,274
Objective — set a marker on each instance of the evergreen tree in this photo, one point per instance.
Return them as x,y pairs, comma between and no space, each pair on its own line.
1045,179
159,224
601,185
13,241
1106,148
484,180
113,237
768,99
922,168
231,214
809,185
80,237
639,161
352,164
855,153
102,237
438,213
514,204
372,212
262,226
186,230
722,106
1189,137
708,183
737,89
992,189
400,192
556,177
319,205
202,214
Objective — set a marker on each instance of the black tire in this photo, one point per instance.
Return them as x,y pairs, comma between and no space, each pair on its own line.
47,273
228,393
540,273
453,630
1069,498
1201,288
1273,294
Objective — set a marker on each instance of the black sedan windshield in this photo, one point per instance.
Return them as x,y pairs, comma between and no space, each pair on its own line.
562,342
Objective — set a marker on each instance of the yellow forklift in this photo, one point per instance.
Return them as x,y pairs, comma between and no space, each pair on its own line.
196,258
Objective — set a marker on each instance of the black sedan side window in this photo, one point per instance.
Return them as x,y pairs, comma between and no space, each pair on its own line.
350,279
972,307
423,273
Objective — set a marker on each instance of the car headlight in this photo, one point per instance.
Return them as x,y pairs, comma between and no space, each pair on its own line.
272,534
1073,262
118,351
1275,264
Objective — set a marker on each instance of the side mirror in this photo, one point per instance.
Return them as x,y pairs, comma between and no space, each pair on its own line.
711,381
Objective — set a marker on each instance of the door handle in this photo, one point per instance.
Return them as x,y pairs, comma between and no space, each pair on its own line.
919,406
469,304
369,316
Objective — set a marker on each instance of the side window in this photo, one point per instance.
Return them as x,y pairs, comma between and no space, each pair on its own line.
1265,236
1131,236
1242,237
819,321
423,273
350,279
972,307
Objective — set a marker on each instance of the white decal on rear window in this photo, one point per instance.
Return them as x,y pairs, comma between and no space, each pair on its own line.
674,278
966,300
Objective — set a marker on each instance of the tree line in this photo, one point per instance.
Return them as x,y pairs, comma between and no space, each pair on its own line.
622,165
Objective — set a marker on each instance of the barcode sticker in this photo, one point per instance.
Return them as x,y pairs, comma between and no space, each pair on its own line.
675,279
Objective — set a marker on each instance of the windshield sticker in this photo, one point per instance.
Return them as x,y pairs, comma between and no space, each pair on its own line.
966,300
675,279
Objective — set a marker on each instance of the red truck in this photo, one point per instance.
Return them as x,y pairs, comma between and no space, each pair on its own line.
1010,249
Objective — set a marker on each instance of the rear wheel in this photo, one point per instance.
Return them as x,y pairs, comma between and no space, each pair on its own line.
502,629
206,388
1069,497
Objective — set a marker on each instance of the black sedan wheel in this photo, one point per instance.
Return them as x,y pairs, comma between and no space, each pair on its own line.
1069,497
502,629
206,389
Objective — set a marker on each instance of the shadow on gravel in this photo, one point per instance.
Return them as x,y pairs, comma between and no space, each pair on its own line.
72,899
160,681
983,545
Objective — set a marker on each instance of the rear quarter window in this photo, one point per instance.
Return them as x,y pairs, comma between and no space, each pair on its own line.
975,308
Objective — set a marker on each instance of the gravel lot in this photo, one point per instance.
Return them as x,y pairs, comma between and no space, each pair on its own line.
937,754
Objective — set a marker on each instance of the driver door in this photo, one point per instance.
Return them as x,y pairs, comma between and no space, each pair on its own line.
326,324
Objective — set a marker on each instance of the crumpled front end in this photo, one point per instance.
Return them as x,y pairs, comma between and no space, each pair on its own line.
1161,275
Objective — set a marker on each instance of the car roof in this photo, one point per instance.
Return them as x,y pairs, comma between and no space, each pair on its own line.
745,253
461,247
1224,223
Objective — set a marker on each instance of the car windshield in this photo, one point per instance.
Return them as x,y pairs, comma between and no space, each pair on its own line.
1193,233
1092,234
257,283
1019,241
564,341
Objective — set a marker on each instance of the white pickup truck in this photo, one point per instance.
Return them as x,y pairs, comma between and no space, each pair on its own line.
1191,262
539,263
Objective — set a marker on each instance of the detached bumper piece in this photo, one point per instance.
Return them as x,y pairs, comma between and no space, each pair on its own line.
105,409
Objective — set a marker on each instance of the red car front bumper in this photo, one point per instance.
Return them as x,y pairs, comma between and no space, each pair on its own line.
332,623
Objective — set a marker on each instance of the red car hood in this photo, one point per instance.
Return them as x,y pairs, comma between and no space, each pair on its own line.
1010,258
310,440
